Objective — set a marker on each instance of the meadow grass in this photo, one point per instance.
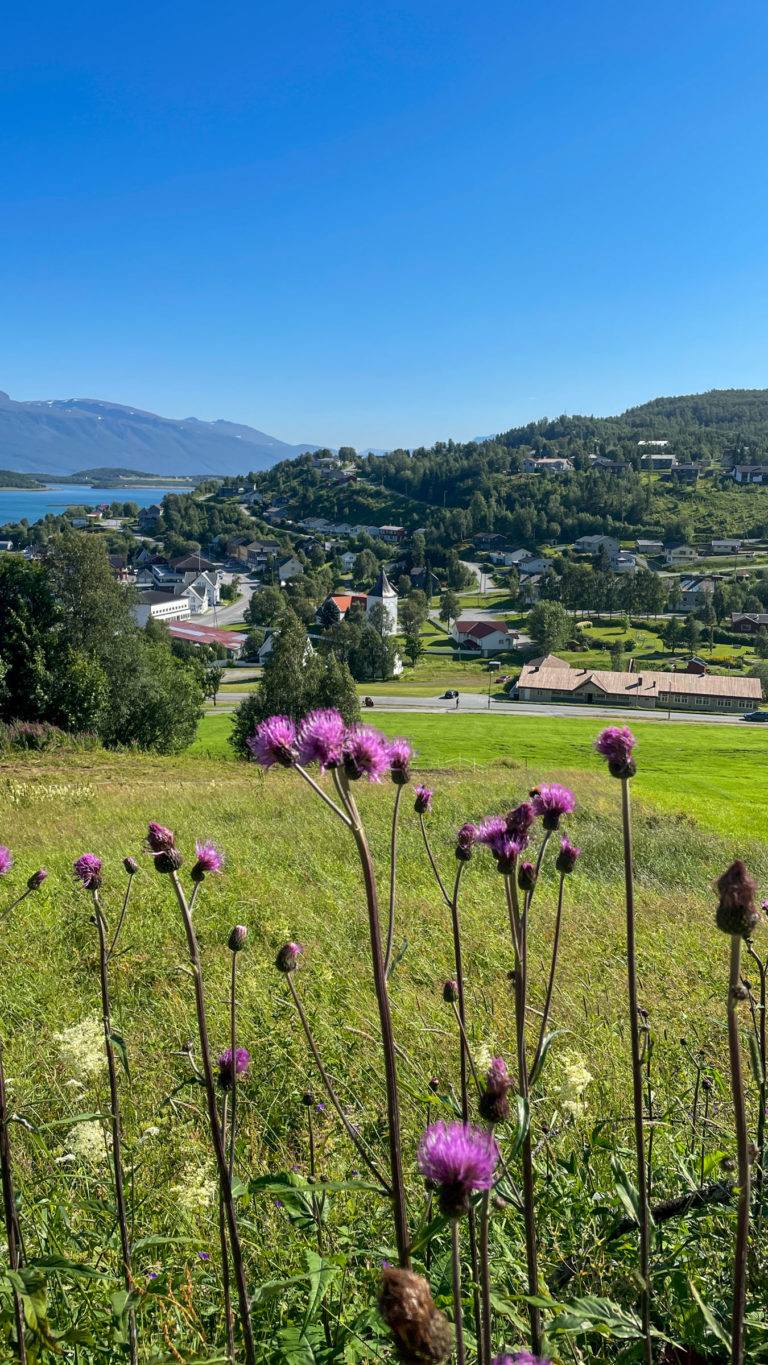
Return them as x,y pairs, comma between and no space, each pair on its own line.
291,873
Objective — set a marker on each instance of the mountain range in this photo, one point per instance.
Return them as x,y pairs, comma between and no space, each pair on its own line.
61,435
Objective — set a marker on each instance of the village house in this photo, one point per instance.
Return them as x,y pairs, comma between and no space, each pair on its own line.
391,535
726,547
750,473
643,690
533,564
489,637
488,540
256,553
287,566
696,591
679,554
592,545
163,606
418,577
624,562
649,547
546,464
749,622
149,515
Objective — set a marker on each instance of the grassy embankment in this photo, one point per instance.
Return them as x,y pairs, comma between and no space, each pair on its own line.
700,798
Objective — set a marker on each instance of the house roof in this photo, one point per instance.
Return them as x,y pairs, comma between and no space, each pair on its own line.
188,562
548,661
156,595
344,600
480,629
640,685
204,635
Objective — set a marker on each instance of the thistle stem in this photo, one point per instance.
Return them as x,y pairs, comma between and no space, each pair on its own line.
387,1036
763,1095
114,1108
458,1316
551,982
392,878
323,795
121,921
6,912
485,1278
432,862
12,1231
637,1077
741,1248
331,1093
519,935
225,1251
225,1183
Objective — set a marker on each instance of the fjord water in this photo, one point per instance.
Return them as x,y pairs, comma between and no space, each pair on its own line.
17,503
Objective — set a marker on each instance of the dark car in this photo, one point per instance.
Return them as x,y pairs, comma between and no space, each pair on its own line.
755,715
449,695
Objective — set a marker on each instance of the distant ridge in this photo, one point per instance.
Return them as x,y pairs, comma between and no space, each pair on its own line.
59,436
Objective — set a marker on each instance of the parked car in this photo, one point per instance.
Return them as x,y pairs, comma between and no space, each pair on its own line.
368,701
449,694
755,715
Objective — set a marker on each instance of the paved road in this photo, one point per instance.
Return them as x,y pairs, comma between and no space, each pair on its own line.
474,703
228,614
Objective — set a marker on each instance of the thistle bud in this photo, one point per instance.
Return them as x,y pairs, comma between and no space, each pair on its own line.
422,1334
308,1099
287,959
565,861
526,876
237,937
131,866
434,1085
451,992
168,861
37,878
737,912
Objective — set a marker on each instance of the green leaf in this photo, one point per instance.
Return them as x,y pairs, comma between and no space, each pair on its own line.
62,1266
592,1314
118,1043
546,1045
714,1326
523,1124
321,1272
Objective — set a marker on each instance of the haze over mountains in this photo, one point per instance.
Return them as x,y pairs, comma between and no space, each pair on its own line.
60,436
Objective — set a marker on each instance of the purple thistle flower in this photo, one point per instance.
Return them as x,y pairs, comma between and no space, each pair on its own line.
6,860
242,1062
399,761
494,1105
451,992
274,742
321,739
566,858
458,1159
423,802
37,878
287,959
551,802
505,849
209,859
159,839
88,871
519,820
616,743
465,841
366,753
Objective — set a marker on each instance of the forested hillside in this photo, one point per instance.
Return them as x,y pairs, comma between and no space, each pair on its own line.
454,490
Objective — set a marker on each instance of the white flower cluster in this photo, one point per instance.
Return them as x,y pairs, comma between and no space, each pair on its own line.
86,1142
197,1190
82,1049
575,1080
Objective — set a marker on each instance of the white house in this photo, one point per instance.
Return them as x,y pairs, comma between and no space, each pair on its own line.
679,554
348,560
726,547
750,473
288,566
546,464
534,564
163,606
624,562
592,545
649,547
490,637
382,593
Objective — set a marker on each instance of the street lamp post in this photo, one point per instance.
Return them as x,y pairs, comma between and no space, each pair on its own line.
493,665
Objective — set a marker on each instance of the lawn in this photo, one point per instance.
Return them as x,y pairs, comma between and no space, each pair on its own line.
716,774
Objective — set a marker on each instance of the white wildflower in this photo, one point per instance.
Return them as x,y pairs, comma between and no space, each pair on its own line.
86,1142
483,1057
197,1190
575,1080
82,1048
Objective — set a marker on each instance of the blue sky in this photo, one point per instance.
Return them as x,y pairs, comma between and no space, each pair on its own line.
348,223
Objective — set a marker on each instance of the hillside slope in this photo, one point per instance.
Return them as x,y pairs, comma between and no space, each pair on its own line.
63,435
